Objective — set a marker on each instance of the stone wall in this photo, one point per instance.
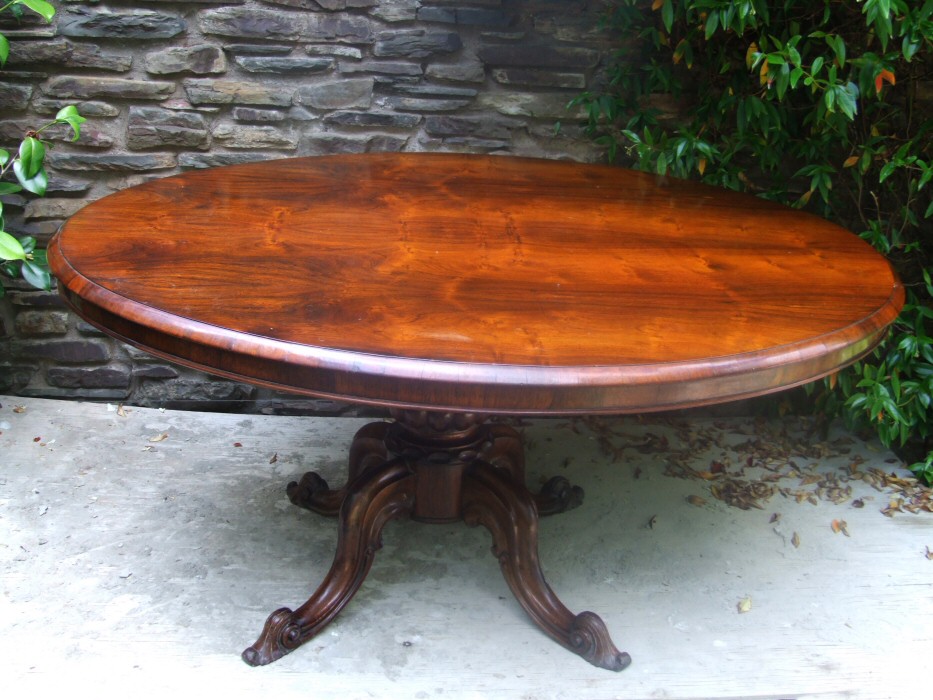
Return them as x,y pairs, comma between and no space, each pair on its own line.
171,85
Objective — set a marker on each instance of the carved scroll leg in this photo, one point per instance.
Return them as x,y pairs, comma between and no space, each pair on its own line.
507,510
313,493
506,451
377,496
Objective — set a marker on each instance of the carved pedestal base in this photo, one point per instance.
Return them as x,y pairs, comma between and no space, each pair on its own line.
436,468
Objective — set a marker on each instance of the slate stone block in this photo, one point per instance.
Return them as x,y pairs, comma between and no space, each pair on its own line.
214,160
539,78
425,104
136,24
66,53
185,390
245,23
41,323
251,114
52,208
152,127
259,49
451,125
86,87
393,68
67,351
416,43
116,376
87,108
238,136
467,16
341,94
539,56
36,299
202,59
156,372
372,119
466,70
15,96
108,162
396,10
278,25
14,377
342,4
220,92
287,64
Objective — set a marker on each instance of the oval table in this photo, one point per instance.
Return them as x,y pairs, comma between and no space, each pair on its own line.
455,288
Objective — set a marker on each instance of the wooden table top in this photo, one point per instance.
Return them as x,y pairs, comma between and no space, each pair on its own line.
481,283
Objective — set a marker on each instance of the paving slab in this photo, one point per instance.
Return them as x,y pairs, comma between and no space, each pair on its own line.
142,550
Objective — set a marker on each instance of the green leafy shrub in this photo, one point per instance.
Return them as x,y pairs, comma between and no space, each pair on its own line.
818,104
19,255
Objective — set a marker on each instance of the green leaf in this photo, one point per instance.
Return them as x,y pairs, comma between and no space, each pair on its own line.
909,48
667,15
886,171
817,64
4,50
40,7
9,188
70,116
31,156
28,243
10,248
839,48
37,275
36,184
845,98
712,24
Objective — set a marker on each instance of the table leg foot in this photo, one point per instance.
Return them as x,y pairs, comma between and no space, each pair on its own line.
367,450
558,495
375,497
492,499
313,493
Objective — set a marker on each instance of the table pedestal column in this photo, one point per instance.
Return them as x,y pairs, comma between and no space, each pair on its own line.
437,468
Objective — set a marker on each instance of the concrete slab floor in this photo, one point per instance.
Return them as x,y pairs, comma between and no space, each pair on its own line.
141,551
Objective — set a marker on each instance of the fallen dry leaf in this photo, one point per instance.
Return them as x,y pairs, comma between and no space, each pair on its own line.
158,438
775,518
275,458
744,605
795,540
121,411
19,409
696,500
929,553
708,476
238,444
840,526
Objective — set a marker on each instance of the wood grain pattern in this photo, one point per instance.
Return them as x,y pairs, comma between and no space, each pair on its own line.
468,282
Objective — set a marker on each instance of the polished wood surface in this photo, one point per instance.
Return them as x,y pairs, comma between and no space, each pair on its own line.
482,283
467,285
